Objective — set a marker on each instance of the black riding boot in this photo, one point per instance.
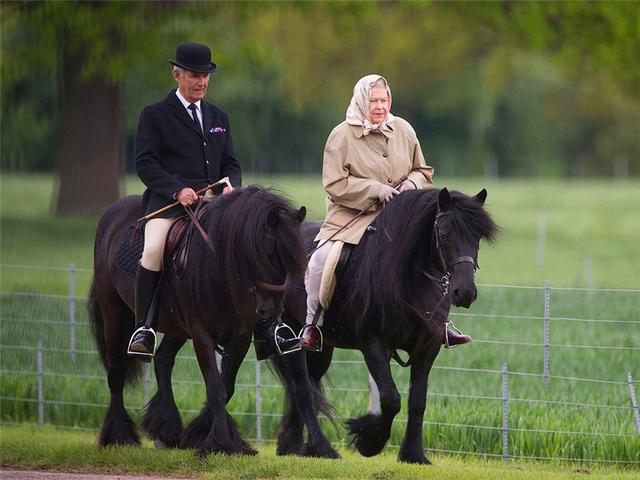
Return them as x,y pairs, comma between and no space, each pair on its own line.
143,340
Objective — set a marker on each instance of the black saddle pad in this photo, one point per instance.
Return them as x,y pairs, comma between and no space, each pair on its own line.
130,250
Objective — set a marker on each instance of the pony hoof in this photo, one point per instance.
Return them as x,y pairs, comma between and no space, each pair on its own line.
368,434
160,445
203,452
320,451
418,458
290,450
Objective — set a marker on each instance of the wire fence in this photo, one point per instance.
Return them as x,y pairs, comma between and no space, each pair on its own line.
507,404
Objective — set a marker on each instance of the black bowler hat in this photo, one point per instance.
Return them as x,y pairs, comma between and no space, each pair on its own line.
195,57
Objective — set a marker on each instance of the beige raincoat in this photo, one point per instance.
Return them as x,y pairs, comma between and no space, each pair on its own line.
354,167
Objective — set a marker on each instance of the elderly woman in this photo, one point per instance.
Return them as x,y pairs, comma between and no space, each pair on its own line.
364,159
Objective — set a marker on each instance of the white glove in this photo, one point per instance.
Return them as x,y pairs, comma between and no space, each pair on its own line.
407,185
386,193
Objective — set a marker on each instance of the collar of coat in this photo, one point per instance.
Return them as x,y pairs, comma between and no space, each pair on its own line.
358,132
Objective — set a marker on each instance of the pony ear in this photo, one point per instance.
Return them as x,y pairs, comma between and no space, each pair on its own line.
481,196
300,214
444,200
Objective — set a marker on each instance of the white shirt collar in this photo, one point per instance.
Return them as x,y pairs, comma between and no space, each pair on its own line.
186,102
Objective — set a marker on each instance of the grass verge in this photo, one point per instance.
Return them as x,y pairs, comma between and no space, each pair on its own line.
32,447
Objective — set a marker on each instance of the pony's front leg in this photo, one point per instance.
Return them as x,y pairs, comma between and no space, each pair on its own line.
370,432
412,450
222,435
162,420
231,361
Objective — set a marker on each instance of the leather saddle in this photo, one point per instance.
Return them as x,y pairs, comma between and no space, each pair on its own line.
176,251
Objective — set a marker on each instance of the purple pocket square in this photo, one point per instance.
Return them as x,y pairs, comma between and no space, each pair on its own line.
217,130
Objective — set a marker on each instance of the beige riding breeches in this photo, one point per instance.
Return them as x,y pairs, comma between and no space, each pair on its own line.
313,278
155,235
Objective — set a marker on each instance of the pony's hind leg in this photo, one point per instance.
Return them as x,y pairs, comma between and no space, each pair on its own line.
111,324
162,420
370,432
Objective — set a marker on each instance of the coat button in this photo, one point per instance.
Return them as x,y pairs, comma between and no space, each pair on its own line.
389,180
205,144
207,162
385,155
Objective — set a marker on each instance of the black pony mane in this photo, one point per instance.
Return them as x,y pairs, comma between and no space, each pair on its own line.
390,283
242,227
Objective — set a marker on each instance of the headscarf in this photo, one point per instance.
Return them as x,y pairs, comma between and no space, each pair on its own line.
358,111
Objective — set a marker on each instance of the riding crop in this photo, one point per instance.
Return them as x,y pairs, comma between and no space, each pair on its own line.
224,180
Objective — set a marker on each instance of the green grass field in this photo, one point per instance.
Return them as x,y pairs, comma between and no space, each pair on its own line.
592,233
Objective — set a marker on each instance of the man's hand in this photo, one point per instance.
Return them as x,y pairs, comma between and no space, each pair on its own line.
187,196
228,189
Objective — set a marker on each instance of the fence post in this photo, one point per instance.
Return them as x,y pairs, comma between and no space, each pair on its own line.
634,401
258,404
40,386
547,315
505,414
374,397
72,311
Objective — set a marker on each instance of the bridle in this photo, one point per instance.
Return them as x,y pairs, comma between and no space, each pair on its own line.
445,282
445,278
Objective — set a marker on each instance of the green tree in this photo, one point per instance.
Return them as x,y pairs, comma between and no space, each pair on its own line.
85,49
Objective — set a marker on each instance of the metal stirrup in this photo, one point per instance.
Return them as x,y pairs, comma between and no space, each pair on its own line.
446,334
142,354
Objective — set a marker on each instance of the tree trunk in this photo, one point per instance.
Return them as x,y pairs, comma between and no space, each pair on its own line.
90,156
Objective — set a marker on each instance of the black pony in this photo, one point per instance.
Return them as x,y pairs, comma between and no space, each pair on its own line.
416,259
233,279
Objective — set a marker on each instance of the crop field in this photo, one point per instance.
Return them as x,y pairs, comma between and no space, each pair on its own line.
581,237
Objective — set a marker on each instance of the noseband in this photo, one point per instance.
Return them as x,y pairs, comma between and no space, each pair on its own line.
271,287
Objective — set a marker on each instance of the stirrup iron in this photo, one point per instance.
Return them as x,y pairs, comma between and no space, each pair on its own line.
286,333
447,325
147,357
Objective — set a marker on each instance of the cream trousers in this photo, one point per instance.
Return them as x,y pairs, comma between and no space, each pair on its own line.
312,280
155,235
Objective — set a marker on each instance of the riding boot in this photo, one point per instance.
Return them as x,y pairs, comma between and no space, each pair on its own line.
143,340
454,337
311,335
311,338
